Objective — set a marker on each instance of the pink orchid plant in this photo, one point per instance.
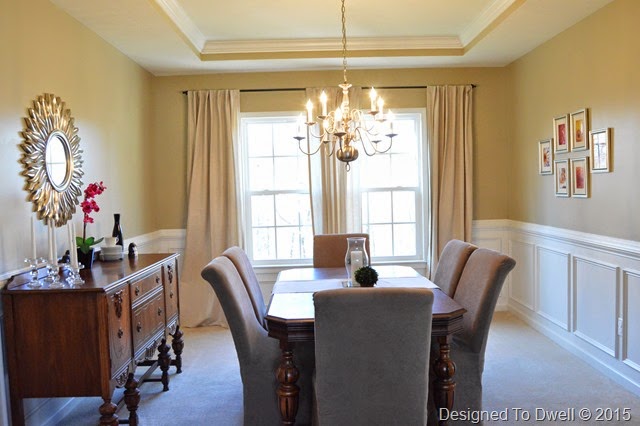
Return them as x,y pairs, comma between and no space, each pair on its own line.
89,206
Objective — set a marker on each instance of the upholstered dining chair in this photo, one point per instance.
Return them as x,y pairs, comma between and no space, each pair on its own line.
372,356
258,354
329,250
452,260
242,263
477,291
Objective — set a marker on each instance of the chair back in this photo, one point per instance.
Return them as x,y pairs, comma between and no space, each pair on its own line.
329,250
245,269
372,356
452,260
478,291
258,354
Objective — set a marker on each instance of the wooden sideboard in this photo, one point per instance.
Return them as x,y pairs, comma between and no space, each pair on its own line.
88,340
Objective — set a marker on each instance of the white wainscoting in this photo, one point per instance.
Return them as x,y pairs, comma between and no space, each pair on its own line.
581,290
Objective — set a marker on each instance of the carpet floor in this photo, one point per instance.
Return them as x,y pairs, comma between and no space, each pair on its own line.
525,374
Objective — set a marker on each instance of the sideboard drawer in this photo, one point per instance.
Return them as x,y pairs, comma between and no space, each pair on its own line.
148,319
144,286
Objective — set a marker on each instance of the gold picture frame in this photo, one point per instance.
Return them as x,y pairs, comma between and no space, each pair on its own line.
600,150
580,177
561,134
580,130
545,157
562,172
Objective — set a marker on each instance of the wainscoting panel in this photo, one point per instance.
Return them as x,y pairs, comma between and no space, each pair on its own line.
581,290
522,275
631,317
595,303
553,286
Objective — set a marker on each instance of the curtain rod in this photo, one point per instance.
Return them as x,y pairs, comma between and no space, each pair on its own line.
299,89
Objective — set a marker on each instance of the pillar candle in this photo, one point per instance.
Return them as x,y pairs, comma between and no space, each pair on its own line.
33,238
356,262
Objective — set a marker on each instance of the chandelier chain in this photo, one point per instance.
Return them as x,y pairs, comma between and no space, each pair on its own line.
344,44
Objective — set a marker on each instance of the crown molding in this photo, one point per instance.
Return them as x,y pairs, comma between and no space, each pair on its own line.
181,20
485,19
330,44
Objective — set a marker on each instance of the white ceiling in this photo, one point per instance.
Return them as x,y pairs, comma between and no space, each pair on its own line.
173,37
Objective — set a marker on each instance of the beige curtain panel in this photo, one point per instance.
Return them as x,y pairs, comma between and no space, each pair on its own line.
450,141
330,204
212,219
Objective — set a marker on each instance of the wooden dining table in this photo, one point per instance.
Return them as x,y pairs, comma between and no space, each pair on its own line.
290,319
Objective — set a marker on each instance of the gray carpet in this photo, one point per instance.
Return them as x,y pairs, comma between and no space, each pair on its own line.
524,369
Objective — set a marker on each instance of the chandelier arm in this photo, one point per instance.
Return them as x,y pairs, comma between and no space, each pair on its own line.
309,153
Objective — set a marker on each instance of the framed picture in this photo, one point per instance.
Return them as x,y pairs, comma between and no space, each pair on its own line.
561,134
562,178
579,177
600,150
579,130
545,157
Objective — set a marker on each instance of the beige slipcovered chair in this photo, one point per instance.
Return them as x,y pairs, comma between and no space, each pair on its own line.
258,354
329,250
477,291
245,269
452,260
372,356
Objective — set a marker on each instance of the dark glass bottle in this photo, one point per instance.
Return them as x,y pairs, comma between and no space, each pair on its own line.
117,230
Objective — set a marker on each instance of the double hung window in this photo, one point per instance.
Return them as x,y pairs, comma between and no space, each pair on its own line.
389,189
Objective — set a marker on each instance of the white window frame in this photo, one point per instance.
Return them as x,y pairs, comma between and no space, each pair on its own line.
421,191
242,165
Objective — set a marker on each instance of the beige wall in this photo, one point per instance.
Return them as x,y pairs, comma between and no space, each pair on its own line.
594,64
43,50
492,99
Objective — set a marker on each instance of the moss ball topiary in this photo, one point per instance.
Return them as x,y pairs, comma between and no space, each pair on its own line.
366,276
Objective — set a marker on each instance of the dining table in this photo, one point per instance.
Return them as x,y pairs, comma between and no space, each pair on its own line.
290,319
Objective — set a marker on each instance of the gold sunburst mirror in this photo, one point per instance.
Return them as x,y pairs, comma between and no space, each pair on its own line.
52,160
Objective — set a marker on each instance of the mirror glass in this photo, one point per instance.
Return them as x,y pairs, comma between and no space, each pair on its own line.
57,161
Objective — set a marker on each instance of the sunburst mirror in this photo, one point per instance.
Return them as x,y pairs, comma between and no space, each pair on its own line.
52,160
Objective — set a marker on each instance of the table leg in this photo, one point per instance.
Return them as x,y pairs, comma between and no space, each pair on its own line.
288,392
132,399
444,385
177,344
108,413
164,361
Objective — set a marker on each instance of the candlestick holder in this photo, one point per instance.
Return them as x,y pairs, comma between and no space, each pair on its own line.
53,277
33,270
74,279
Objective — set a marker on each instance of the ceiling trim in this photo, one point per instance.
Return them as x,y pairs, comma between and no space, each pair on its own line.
183,23
493,12
330,44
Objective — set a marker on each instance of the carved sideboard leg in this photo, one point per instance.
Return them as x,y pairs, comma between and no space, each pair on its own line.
288,392
177,344
132,399
445,385
164,360
108,413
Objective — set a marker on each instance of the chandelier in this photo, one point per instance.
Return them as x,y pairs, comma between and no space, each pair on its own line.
339,131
